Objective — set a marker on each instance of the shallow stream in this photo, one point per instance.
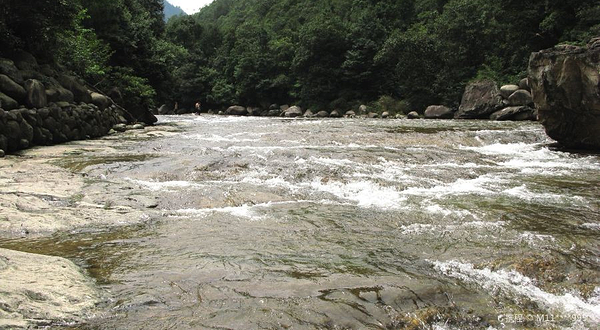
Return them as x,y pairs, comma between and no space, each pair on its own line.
272,223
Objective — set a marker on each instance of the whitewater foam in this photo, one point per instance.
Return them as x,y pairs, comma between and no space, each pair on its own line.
165,185
512,283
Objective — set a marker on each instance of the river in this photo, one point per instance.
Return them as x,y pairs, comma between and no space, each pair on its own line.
274,223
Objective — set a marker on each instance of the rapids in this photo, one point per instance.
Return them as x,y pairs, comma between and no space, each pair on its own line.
273,223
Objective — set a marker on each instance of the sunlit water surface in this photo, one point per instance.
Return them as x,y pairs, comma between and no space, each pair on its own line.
350,224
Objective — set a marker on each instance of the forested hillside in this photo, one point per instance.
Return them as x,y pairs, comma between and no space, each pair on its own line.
109,43
316,53
335,53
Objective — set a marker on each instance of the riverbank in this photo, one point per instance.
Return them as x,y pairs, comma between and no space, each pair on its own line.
45,190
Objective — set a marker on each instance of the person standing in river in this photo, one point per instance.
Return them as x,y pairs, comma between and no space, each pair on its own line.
197,107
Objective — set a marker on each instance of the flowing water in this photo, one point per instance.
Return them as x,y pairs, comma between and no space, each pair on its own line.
272,223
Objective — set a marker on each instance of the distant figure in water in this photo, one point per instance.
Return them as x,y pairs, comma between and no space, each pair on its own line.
197,107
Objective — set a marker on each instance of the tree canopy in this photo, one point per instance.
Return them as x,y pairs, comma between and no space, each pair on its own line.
315,53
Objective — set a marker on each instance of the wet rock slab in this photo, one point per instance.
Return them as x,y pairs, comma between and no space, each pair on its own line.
37,290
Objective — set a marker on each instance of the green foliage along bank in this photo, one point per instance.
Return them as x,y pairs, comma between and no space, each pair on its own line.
319,54
109,43
339,53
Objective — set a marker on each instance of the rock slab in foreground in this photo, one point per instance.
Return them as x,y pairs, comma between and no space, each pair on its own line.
40,290
565,86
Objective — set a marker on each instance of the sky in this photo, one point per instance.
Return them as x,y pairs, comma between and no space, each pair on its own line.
190,6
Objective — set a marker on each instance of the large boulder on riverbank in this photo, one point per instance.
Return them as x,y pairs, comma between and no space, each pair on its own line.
565,84
480,100
76,87
36,94
7,67
7,102
236,110
11,88
514,113
294,111
438,112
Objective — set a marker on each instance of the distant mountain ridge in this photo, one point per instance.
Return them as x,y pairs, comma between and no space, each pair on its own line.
171,10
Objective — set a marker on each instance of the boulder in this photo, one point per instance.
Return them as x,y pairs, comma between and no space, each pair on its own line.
101,101
7,102
413,115
254,111
335,114
30,74
507,90
274,106
284,107
164,110
385,114
115,95
47,70
322,114
565,83
520,97
76,87
140,114
120,127
7,67
350,114
13,135
514,113
363,110
480,100
438,112
55,92
11,88
36,94
372,115
524,84
309,113
236,110
294,111
3,144
25,61
273,113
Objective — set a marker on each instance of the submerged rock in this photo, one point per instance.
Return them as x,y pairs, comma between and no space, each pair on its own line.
565,83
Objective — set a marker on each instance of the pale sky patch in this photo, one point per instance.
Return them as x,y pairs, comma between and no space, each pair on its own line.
190,6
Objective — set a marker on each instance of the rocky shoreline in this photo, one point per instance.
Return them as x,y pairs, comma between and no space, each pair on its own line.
44,105
54,189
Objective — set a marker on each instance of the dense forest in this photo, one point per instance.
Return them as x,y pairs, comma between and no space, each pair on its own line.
329,54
